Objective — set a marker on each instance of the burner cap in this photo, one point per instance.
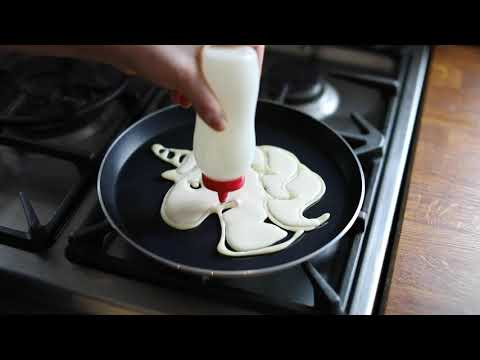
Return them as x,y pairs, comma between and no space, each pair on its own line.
303,78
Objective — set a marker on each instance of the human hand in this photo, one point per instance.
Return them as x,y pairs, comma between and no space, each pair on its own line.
176,68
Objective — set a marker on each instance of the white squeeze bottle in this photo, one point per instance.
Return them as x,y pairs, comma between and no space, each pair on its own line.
233,74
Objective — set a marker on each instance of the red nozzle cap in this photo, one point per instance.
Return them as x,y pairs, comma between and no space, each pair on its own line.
223,187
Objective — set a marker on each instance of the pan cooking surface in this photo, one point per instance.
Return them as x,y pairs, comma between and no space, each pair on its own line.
132,189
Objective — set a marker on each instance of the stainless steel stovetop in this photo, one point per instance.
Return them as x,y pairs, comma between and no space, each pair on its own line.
57,117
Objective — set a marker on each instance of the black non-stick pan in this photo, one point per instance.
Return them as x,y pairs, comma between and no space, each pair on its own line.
131,190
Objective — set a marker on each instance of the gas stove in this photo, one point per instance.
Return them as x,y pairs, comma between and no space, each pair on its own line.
58,117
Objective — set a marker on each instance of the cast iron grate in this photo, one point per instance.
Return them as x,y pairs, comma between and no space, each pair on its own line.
41,236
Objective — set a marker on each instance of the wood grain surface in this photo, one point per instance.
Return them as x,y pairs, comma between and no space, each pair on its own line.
436,263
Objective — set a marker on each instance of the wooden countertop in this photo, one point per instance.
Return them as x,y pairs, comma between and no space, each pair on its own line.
436,266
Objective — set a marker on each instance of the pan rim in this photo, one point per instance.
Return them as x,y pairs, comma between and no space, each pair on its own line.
232,273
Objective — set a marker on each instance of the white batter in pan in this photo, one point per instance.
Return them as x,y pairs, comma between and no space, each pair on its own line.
277,187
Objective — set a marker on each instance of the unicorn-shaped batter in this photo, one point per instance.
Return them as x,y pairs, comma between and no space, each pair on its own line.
277,187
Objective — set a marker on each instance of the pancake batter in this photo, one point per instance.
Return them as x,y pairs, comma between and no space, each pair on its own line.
277,187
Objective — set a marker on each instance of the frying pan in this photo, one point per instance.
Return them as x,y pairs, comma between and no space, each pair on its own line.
131,190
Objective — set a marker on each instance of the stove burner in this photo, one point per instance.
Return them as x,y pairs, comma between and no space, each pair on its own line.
301,85
57,96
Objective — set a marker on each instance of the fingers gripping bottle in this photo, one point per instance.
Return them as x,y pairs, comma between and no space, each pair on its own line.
233,74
